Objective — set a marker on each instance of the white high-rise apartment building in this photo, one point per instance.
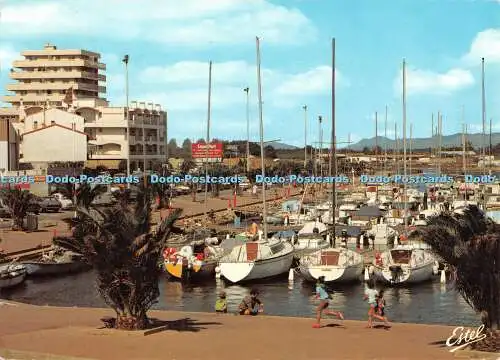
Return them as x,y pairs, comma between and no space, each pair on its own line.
113,135
45,76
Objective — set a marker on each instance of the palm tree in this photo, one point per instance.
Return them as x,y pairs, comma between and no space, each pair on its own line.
125,254
18,202
470,244
86,194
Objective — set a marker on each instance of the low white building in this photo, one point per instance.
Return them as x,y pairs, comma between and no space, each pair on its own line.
52,135
53,143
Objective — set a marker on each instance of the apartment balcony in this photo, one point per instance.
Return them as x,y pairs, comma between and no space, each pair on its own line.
54,86
33,75
32,98
43,63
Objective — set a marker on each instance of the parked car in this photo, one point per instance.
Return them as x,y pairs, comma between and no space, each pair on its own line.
48,204
65,202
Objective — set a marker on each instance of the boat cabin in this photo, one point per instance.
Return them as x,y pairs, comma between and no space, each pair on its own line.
256,250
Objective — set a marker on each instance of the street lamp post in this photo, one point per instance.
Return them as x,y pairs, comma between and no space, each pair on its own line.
125,61
247,91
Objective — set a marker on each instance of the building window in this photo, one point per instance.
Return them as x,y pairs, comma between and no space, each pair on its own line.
52,122
100,130
35,124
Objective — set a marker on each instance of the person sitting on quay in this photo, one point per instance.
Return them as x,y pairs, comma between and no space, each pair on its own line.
251,304
221,303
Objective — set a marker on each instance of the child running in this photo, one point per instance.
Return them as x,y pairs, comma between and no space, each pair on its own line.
372,296
380,303
323,296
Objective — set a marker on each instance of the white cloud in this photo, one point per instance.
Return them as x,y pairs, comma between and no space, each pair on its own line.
7,55
186,23
195,99
187,83
486,44
313,82
429,82
196,72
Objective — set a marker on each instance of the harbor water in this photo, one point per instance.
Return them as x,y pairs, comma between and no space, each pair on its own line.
429,303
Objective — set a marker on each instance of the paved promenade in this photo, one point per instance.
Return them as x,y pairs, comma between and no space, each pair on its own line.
75,332
49,224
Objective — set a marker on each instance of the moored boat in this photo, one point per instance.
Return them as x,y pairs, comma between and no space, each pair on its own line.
335,264
405,264
55,263
12,275
188,264
257,260
310,238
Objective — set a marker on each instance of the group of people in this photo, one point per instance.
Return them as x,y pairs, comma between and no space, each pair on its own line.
252,305
375,300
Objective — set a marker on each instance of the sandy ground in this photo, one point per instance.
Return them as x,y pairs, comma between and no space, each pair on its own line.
76,332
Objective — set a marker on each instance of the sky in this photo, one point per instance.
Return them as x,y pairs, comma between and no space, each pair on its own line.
170,44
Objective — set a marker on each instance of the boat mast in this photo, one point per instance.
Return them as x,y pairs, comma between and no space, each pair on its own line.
209,111
464,145
483,101
404,145
411,144
490,152
261,123
333,158
464,159
385,142
440,139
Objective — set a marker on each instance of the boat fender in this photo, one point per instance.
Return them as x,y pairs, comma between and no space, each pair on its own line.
378,259
217,270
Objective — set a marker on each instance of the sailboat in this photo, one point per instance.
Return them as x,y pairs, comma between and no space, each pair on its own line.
310,239
404,263
266,257
335,264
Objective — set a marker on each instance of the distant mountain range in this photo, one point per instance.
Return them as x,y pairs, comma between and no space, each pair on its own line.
282,146
417,144
425,143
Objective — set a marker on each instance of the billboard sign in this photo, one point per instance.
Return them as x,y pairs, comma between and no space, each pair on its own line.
207,151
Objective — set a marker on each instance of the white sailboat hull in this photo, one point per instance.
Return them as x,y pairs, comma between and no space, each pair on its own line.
332,273
335,264
409,275
260,269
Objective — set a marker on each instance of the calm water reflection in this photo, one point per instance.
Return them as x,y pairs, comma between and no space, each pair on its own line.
425,303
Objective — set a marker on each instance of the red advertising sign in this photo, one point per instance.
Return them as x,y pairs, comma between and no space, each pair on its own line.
207,151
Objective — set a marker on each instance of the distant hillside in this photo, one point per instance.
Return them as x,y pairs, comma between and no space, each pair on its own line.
425,143
281,146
